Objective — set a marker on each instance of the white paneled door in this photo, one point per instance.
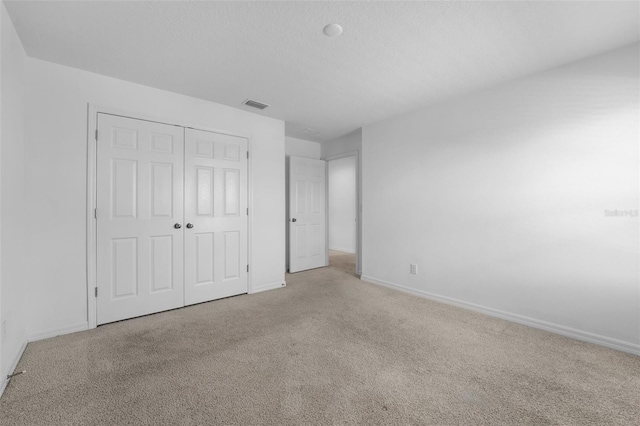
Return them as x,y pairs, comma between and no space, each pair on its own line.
155,217
216,211
139,204
307,215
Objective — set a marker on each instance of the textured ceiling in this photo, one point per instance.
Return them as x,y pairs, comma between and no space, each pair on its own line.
393,57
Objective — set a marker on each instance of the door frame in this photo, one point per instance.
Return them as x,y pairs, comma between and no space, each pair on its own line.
358,200
91,201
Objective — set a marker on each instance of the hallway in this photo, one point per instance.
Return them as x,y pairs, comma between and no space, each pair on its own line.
345,262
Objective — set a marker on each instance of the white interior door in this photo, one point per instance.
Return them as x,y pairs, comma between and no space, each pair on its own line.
139,210
216,215
307,214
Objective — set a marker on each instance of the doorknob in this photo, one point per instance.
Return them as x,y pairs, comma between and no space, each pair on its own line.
189,225
294,220
177,226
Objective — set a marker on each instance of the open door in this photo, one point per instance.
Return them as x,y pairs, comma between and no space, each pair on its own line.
307,214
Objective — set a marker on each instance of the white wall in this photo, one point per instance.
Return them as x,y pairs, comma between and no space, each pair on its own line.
301,148
348,144
56,146
297,148
344,144
499,197
342,204
13,310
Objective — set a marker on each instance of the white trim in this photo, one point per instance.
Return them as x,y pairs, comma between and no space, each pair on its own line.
14,364
342,155
162,120
54,332
326,212
92,156
92,126
585,336
250,216
268,286
358,251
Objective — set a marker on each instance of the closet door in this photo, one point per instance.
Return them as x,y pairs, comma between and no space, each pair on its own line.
139,217
216,214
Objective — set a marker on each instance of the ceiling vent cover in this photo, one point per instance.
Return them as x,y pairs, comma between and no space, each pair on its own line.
255,104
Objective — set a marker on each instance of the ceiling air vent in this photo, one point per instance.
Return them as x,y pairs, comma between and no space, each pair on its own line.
255,104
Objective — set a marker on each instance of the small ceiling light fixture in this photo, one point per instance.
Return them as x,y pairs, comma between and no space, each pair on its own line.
332,30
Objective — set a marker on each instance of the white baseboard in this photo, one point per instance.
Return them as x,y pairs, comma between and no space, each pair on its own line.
58,332
268,286
14,364
585,336
344,250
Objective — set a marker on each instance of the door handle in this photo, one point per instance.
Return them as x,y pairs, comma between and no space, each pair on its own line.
189,225
177,226
294,220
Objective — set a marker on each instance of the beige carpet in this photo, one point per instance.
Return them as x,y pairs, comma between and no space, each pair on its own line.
345,262
327,349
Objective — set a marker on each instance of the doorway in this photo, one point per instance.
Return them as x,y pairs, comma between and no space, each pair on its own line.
342,209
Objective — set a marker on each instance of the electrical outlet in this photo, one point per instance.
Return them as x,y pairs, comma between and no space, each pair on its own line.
413,268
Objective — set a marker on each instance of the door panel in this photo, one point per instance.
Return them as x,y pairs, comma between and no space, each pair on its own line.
139,199
231,192
161,190
161,263
216,206
231,255
124,190
307,221
124,273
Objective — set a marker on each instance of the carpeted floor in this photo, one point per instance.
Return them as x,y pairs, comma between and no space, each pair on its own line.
327,349
345,262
